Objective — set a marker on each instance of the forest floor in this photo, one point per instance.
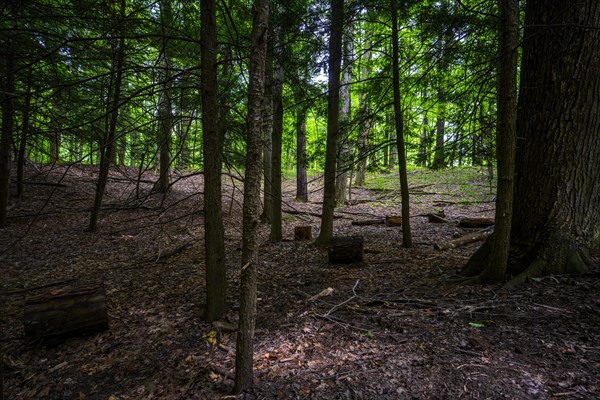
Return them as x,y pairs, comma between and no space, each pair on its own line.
392,327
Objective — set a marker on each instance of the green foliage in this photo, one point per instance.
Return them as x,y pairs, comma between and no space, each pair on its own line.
65,63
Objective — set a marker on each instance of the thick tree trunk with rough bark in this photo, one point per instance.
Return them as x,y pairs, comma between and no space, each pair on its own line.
333,113
216,283
556,217
244,375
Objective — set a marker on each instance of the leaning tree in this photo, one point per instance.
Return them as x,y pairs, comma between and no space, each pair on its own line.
556,215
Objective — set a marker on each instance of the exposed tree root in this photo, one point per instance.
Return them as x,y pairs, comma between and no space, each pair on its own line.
558,255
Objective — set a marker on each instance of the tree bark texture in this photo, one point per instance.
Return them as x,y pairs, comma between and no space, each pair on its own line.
244,375
506,141
399,125
344,161
556,217
268,138
278,75
216,284
333,113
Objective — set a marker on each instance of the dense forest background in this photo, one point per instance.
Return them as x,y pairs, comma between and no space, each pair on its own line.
69,57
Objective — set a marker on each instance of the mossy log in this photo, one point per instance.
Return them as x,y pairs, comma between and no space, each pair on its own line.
64,313
346,249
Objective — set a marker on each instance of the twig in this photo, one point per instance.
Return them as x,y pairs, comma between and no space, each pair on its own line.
354,295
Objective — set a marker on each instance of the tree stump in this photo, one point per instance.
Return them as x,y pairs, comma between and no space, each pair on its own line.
303,232
393,220
346,249
65,313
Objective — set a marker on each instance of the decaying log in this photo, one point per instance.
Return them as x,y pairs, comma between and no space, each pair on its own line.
461,241
436,218
475,222
303,232
65,313
376,221
393,220
346,249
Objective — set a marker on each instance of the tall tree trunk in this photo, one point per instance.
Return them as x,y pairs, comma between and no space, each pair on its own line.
556,218
8,94
268,139
344,161
301,178
276,229
393,150
214,247
439,154
165,109
244,375
423,144
506,142
399,123
108,151
25,128
333,113
365,125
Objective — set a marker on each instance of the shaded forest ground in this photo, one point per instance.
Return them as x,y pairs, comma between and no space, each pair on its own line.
393,327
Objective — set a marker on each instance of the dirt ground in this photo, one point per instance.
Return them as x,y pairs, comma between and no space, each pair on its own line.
392,327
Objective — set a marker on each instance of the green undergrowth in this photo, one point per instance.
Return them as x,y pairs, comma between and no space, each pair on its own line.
458,185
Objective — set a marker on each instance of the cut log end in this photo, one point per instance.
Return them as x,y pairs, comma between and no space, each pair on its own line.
346,250
303,232
393,220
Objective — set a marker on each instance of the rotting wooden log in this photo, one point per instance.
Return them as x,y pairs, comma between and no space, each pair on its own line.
66,312
393,220
346,249
475,222
466,239
375,221
436,218
303,232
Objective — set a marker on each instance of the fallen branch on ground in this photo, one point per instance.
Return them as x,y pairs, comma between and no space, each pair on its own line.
463,240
